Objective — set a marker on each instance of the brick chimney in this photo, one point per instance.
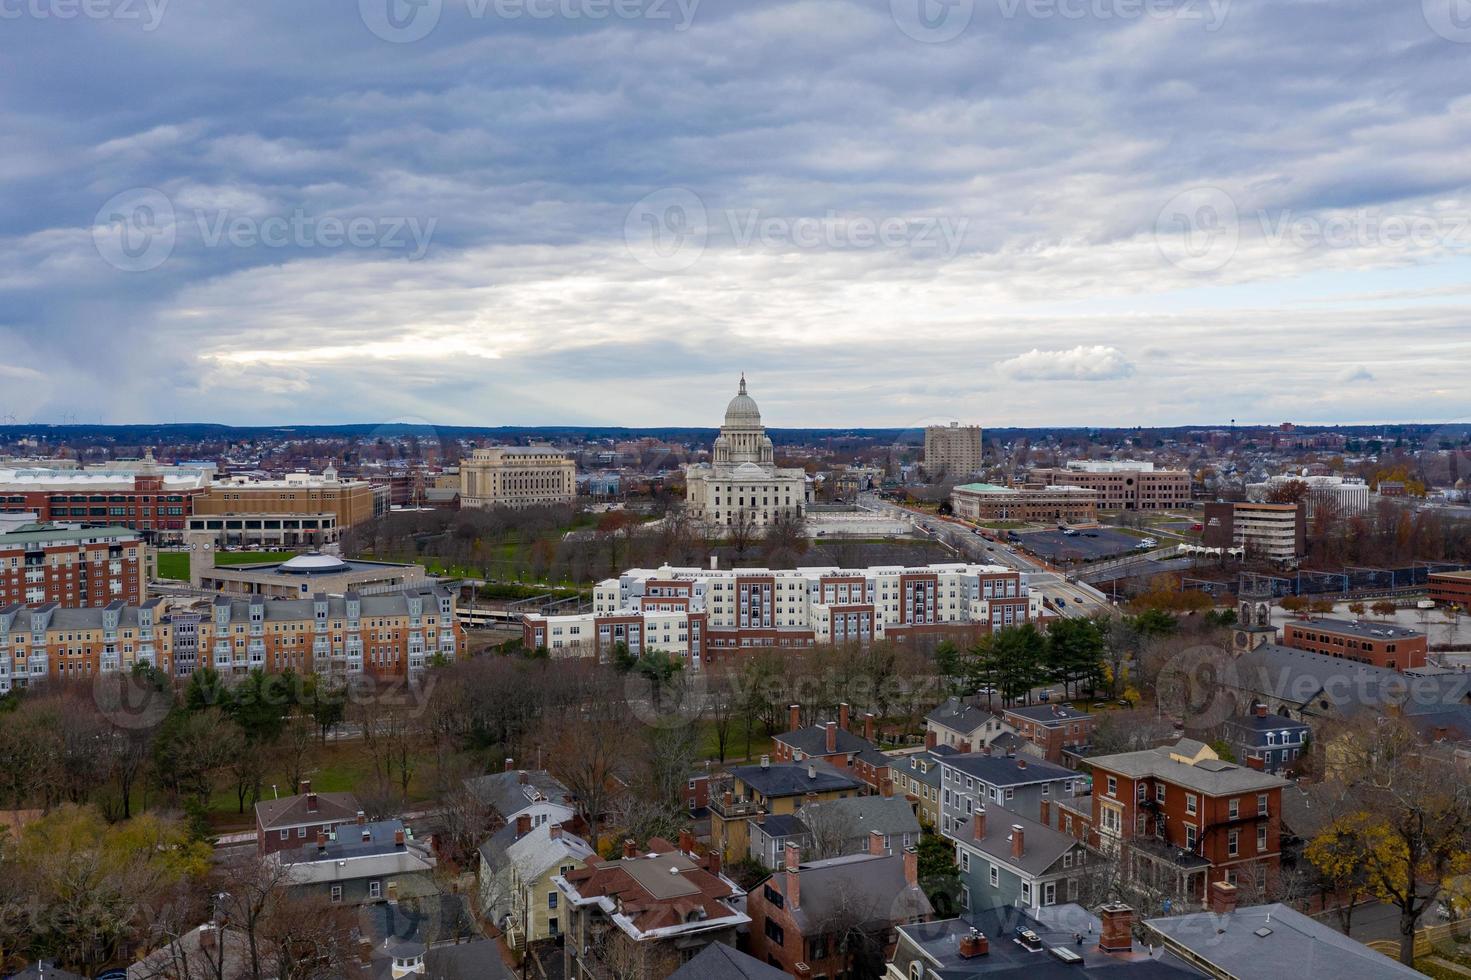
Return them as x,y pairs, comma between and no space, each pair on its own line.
554,831
727,799
1018,841
886,789
964,746
1044,810
521,777
1260,709
974,944
832,737
712,861
523,825
843,713
868,726
978,824
876,843
911,865
510,764
1117,934
1223,898
1021,763
686,842
399,837
929,739
794,887
630,847
311,798
794,717
362,818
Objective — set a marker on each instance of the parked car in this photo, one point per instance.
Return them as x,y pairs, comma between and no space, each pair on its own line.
1046,695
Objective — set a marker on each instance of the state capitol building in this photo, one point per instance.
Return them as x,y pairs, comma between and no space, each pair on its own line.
742,483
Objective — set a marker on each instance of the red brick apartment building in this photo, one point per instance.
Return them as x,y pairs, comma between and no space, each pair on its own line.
798,915
1376,644
151,503
1051,727
72,566
1182,818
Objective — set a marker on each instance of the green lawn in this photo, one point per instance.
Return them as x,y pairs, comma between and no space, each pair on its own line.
175,564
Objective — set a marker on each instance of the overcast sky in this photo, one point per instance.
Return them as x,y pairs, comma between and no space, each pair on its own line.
1016,212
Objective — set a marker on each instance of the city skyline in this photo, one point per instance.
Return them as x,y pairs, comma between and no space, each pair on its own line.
534,219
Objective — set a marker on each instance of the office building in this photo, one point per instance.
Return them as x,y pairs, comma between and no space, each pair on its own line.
988,502
1121,484
350,502
1377,644
1271,532
517,476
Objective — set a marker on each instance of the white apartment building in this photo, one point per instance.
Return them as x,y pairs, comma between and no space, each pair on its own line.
742,485
517,476
698,613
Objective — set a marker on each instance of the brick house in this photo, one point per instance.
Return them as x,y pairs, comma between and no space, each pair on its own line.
833,743
800,915
1052,728
288,823
1182,819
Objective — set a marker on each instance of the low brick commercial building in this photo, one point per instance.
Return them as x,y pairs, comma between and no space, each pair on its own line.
1376,644
1453,588
988,502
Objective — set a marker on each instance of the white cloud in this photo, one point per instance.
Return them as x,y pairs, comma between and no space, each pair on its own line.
1359,373
1095,363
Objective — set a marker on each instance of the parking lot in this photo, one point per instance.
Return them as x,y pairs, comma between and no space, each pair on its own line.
1105,543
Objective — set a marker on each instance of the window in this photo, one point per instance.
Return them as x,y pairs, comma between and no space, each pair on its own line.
1159,792
336,894
1233,843
1026,893
1067,860
553,927
375,889
1261,804
285,835
1113,786
1190,803
1233,808
1261,839
995,877
1189,838
964,860
552,899
1049,893
775,933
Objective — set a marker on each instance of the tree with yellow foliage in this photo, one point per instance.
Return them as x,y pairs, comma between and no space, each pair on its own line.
1402,815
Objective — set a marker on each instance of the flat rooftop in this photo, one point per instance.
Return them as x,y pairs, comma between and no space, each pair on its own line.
1368,631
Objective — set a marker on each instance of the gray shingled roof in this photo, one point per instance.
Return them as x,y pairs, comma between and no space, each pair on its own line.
887,815
1000,770
859,887
958,716
1041,845
1209,776
720,962
507,795
1274,940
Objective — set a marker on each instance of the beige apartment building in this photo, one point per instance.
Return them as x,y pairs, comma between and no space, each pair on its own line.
517,476
988,502
1121,484
953,449
350,501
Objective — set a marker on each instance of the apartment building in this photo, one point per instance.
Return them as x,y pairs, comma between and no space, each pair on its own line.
517,476
988,502
1053,728
702,614
1013,784
73,566
1275,532
380,636
1377,644
1181,818
1121,484
350,502
953,450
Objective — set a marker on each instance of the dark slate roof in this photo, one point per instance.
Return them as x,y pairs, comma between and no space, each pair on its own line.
720,962
1049,714
794,778
291,811
1042,846
812,741
781,825
958,716
887,815
1274,940
45,970
1270,723
507,795
1299,677
1000,770
871,888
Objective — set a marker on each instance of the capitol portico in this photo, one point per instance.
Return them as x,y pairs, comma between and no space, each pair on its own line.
742,483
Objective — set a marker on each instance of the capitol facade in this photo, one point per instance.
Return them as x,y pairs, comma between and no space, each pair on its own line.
742,485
